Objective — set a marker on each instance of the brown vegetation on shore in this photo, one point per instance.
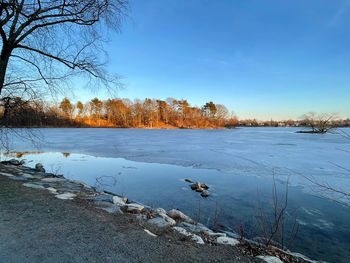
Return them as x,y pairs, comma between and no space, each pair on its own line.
146,114
117,113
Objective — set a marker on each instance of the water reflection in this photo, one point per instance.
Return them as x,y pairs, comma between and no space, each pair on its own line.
19,154
324,226
66,154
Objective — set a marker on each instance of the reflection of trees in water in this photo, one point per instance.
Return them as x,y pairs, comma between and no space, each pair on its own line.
19,154
65,154
327,189
105,181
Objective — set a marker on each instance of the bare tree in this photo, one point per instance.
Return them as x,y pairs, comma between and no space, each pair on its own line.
96,106
273,227
319,123
46,41
222,114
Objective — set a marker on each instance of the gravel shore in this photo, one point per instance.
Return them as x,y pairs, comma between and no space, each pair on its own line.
37,227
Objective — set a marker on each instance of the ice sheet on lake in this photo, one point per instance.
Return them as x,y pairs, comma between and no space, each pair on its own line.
246,151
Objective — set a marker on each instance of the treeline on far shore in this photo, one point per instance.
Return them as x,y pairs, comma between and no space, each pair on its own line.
124,113
116,113
291,123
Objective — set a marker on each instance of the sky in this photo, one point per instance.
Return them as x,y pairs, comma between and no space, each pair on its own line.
260,58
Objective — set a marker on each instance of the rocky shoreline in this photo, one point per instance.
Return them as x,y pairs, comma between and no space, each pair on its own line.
173,220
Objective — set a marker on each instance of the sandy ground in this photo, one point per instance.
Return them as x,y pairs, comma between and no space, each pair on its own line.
37,227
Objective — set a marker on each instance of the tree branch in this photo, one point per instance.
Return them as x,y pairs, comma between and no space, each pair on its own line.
71,64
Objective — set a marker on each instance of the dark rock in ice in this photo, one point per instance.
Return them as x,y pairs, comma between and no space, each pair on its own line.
199,190
14,162
204,186
193,186
205,193
40,167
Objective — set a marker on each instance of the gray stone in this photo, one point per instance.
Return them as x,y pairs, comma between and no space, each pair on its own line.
198,228
146,208
44,174
16,178
141,217
52,190
30,171
35,186
66,196
191,227
158,211
52,180
168,219
67,189
270,259
150,233
162,213
215,234
30,176
102,197
14,162
80,183
40,167
159,222
178,215
44,184
231,234
103,203
119,200
194,237
134,208
226,241
205,193
6,174
111,208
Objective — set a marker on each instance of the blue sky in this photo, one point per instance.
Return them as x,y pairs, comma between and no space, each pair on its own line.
261,58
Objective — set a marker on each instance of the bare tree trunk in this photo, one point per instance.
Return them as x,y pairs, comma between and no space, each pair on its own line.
4,60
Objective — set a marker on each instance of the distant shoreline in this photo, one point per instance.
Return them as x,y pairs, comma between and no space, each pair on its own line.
169,128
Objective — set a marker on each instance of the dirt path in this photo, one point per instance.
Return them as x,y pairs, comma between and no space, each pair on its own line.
37,227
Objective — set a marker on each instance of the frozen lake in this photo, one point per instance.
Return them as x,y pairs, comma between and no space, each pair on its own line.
150,166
